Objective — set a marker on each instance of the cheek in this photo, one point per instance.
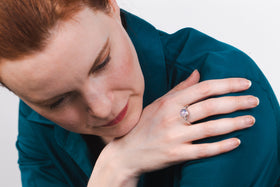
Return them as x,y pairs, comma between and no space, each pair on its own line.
127,75
126,61
69,119
127,64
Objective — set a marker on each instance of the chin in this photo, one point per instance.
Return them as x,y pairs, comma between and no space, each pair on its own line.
124,129
124,132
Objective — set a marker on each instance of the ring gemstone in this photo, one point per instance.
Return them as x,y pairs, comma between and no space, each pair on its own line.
184,113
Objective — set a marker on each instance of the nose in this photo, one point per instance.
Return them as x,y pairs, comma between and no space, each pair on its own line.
98,101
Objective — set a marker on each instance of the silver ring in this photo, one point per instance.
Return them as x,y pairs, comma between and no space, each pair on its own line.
184,113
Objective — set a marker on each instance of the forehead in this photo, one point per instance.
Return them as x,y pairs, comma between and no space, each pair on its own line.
72,48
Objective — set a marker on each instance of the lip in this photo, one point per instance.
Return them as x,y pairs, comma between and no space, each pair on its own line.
119,117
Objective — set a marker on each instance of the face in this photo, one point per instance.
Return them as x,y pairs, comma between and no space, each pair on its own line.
88,79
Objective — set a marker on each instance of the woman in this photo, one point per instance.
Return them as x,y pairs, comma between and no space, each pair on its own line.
83,65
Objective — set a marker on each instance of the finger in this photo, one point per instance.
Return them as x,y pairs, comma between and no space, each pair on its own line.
218,127
212,149
208,88
221,105
191,80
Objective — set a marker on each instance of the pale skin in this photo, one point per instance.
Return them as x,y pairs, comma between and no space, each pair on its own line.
157,134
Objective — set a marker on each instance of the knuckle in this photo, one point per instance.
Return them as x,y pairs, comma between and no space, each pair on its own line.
166,120
238,123
172,153
205,88
164,102
231,124
208,106
239,102
231,84
169,137
208,130
202,151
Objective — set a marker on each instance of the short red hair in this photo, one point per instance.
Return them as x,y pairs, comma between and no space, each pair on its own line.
25,24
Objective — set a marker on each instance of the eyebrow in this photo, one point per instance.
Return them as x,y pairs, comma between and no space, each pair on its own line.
55,98
99,56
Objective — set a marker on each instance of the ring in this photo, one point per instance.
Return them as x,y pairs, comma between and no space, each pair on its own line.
184,113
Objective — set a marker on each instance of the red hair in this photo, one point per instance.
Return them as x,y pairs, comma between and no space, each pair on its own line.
25,24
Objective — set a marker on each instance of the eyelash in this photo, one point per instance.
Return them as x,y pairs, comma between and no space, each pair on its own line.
57,103
98,68
103,65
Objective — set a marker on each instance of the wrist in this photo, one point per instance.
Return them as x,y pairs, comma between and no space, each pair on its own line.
111,170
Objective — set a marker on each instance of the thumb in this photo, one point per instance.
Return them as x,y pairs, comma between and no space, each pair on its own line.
191,80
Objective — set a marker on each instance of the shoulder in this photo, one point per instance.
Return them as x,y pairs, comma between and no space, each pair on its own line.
31,128
35,134
28,115
189,49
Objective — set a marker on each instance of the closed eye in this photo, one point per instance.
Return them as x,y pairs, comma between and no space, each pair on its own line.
57,103
99,63
103,65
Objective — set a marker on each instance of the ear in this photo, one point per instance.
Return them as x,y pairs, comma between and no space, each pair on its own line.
115,9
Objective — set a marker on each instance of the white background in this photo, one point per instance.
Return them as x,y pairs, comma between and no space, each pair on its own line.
250,25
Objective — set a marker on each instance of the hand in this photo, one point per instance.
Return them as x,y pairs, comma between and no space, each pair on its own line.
162,137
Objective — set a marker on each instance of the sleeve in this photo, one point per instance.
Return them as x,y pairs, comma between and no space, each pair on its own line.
256,161
37,169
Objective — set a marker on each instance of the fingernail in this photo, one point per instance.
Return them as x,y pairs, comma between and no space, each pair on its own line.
193,72
250,121
247,83
236,142
254,101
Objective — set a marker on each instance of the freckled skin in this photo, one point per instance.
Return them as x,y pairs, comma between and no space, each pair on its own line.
64,67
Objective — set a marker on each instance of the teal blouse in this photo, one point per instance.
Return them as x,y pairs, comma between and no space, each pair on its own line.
52,156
